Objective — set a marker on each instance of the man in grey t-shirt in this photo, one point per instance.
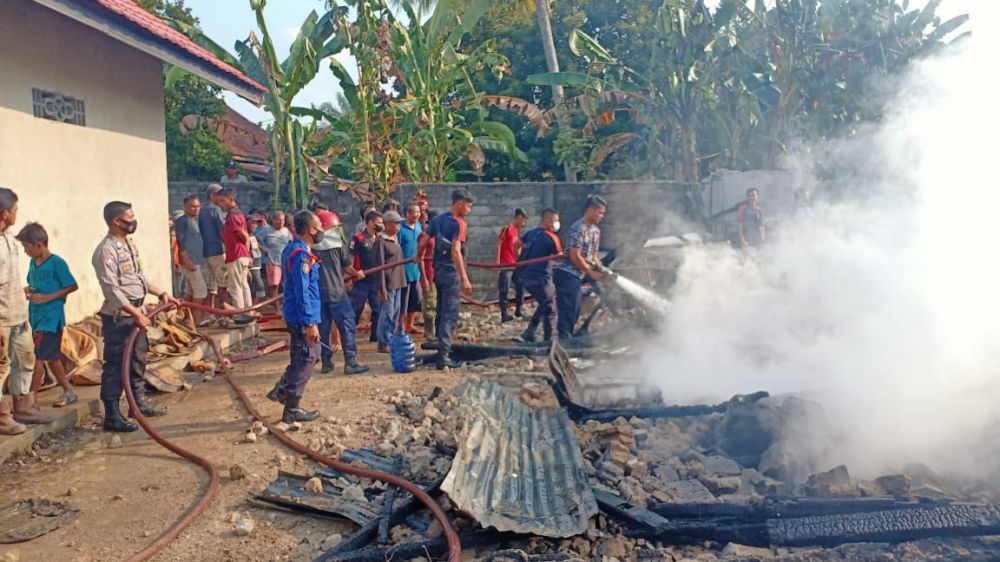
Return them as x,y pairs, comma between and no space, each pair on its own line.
192,251
211,219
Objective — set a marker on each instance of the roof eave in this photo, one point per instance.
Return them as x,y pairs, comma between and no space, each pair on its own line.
125,33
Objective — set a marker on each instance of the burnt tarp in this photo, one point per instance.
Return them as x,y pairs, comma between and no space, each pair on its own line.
518,469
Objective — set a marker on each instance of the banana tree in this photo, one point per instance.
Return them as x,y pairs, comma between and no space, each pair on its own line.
315,41
414,113
256,57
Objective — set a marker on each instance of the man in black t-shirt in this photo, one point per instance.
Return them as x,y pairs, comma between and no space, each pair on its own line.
337,310
537,278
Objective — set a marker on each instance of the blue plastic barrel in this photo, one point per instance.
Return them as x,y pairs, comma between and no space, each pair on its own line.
402,353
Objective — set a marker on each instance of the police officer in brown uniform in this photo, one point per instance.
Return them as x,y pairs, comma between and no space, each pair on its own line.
119,272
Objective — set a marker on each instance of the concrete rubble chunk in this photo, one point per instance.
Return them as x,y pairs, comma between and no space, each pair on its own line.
895,484
688,490
666,473
720,485
778,462
314,485
244,526
332,541
834,483
115,442
721,466
632,491
237,472
747,553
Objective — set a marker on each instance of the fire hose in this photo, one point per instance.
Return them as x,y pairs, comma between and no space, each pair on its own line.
451,536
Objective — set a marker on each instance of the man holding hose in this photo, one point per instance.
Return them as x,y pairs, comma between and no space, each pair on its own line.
119,273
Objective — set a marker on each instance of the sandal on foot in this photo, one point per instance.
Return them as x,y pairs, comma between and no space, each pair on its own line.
65,399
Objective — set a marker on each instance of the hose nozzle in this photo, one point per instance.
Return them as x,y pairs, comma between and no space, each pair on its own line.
598,266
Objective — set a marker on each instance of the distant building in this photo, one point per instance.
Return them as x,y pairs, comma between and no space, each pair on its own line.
82,123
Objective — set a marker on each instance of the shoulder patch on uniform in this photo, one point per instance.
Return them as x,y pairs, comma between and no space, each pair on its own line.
110,259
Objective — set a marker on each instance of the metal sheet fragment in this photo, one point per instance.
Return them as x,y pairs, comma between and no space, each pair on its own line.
519,469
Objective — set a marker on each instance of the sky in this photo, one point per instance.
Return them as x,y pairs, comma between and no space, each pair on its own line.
228,21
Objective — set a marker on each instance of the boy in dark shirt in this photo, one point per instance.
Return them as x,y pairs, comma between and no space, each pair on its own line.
49,282
391,281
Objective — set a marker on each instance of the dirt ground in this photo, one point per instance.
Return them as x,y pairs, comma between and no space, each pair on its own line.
130,494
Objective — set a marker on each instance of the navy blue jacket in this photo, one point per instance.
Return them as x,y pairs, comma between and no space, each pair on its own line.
300,280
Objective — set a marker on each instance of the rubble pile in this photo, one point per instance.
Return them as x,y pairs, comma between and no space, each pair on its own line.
694,476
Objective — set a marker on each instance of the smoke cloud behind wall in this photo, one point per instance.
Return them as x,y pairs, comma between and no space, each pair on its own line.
883,306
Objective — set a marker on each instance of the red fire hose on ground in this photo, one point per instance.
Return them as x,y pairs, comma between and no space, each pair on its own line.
454,545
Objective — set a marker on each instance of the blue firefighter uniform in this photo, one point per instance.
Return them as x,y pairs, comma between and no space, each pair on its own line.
537,279
301,309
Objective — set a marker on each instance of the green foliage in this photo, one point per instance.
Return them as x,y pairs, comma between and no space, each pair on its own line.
729,87
414,112
196,155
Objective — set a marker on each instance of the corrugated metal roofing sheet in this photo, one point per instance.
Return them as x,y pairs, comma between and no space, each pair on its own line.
519,469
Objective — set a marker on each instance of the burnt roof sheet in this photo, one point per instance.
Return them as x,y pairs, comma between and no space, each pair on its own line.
519,469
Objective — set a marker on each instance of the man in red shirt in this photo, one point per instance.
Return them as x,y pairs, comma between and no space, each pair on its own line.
236,239
508,248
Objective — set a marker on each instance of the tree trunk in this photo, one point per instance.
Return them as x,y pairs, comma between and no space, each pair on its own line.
542,13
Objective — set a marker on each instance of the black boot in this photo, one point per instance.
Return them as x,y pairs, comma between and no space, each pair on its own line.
113,420
517,312
294,414
443,361
147,408
327,365
528,336
504,315
351,367
546,333
277,394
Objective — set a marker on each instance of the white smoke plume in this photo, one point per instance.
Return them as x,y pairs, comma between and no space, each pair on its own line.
884,307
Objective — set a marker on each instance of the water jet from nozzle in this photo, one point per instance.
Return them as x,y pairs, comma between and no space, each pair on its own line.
645,297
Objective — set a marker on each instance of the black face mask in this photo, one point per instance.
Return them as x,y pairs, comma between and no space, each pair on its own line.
317,237
129,226
379,228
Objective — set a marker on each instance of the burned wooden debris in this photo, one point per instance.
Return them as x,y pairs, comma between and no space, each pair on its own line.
521,474
603,398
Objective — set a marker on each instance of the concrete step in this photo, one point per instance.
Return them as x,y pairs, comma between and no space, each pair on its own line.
90,401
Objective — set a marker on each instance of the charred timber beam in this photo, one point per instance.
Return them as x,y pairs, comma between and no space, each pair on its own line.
893,526
469,352
793,507
432,548
581,414
368,532
637,518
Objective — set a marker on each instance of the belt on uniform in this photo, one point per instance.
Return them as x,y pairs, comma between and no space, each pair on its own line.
120,314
